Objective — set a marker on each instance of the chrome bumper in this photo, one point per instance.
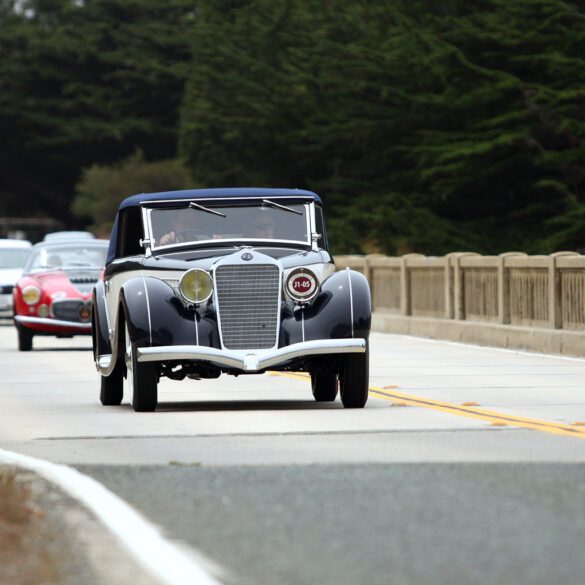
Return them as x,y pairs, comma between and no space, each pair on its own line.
250,361
32,321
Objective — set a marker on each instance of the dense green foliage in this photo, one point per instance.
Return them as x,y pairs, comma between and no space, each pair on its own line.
101,186
84,83
426,126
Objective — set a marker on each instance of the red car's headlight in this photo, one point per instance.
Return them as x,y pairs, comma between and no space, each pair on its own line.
31,294
302,285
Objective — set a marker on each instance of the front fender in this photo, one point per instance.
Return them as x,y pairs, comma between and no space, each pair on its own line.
342,310
156,316
100,331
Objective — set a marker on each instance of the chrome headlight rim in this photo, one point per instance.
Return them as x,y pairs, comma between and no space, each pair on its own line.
186,298
302,274
34,290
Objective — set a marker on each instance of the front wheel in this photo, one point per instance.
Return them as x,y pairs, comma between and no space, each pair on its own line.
354,379
142,378
324,386
25,337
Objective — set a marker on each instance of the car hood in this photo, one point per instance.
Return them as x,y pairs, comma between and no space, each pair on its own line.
9,275
205,259
72,282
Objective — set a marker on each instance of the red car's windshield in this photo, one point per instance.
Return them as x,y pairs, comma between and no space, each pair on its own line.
67,255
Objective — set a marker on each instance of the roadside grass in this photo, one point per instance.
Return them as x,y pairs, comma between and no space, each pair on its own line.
24,540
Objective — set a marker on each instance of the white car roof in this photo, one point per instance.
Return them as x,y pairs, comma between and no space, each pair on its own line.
67,235
6,243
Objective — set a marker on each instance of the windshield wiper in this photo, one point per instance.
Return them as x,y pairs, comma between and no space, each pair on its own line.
279,206
206,209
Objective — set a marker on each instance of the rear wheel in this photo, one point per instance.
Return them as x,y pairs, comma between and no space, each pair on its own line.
25,337
354,379
142,379
324,386
112,386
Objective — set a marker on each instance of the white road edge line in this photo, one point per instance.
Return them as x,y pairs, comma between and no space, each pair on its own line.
143,540
488,347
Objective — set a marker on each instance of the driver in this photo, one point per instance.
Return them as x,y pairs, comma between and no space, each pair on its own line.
183,229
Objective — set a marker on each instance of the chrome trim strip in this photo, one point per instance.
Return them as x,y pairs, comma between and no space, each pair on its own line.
350,299
147,309
148,236
234,241
55,322
107,315
189,352
250,361
312,227
315,347
196,327
146,204
309,204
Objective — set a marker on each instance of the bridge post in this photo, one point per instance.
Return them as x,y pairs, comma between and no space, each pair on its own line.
555,308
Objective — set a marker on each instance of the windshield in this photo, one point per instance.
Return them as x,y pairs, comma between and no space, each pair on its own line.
204,222
13,257
68,255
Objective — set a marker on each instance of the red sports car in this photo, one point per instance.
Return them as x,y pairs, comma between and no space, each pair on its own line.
53,296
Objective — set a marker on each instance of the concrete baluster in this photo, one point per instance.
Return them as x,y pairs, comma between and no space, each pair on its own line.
456,304
504,287
405,292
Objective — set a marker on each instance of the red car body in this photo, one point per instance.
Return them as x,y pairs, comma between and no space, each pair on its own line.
53,297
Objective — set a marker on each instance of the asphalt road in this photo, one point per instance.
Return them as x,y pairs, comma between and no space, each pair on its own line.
466,466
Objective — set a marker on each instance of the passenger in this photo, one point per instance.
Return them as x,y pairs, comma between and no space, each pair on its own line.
263,228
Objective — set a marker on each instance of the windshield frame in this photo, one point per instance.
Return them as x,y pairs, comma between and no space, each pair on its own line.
212,203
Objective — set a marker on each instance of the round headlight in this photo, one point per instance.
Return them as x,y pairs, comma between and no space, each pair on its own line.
196,286
302,285
31,294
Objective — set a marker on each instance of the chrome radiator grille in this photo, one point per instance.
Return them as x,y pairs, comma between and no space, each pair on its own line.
248,304
71,310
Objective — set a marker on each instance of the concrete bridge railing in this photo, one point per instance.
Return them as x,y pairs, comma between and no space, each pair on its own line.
511,300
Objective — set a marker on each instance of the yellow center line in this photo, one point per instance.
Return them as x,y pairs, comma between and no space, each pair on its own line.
491,416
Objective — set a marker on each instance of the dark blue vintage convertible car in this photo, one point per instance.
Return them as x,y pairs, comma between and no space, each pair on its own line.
235,281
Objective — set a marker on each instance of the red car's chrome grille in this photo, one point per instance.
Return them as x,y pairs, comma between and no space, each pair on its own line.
72,310
248,299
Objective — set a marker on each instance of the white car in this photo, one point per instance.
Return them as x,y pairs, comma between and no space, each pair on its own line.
13,255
